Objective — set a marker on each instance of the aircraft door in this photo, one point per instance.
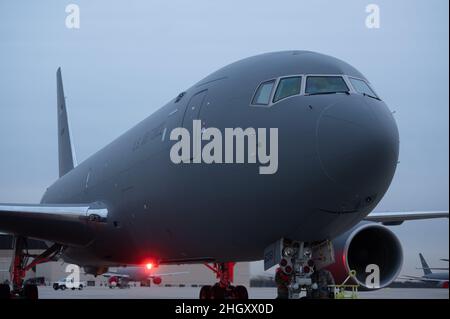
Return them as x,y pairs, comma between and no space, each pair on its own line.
193,108
192,113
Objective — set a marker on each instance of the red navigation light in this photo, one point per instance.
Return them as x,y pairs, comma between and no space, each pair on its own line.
149,266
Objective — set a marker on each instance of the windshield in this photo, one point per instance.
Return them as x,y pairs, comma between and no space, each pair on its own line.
288,87
325,84
362,87
262,96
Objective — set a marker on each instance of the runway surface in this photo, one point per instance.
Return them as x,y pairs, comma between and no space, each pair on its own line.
192,293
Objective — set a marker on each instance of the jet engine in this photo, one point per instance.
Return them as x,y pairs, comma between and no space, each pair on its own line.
95,270
157,280
365,249
113,282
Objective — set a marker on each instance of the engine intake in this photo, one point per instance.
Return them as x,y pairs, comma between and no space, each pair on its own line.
365,244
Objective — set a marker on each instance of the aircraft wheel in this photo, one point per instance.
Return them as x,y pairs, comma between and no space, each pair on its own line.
241,292
5,292
217,292
30,292
205,292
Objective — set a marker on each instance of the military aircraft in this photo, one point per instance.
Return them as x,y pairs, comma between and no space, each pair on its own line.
309,151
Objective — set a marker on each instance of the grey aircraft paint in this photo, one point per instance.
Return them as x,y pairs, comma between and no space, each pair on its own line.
337,156
65,152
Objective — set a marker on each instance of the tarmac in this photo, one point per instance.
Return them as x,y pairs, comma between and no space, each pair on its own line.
155,292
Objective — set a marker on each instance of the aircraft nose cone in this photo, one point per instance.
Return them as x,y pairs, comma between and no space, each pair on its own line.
357,144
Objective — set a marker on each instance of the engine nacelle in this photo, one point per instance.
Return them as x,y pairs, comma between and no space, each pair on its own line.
365,244
157,280
95,270
113,281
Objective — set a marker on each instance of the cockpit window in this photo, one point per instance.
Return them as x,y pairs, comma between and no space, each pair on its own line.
325,84
262,96
362,87
287,87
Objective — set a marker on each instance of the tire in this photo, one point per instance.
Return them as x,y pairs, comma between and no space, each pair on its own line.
62,287
217,292
205,292
80,287
55,286
241,292
30,292
5,291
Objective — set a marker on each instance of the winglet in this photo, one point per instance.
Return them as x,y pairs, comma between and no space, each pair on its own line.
66,152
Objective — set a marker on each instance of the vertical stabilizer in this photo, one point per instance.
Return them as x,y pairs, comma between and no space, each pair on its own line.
66,152
426,268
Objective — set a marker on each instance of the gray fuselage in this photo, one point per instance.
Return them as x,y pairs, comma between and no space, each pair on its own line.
337,156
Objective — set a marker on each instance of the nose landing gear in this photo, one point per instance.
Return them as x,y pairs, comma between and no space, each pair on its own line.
224,288
297,261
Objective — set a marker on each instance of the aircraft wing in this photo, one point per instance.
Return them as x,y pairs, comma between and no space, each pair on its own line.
397,218
434,268
168,274
114,274
416,278
64,224
412,278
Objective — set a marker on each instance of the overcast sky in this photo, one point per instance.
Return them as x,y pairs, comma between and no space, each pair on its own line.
130,57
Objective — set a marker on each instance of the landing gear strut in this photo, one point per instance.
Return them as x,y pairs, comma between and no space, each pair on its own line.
20,266
224,288
297,263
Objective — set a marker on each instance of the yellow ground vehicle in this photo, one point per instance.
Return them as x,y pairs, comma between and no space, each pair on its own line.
344,291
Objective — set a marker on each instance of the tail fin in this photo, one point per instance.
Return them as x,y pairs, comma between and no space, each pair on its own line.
426,268
66,152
